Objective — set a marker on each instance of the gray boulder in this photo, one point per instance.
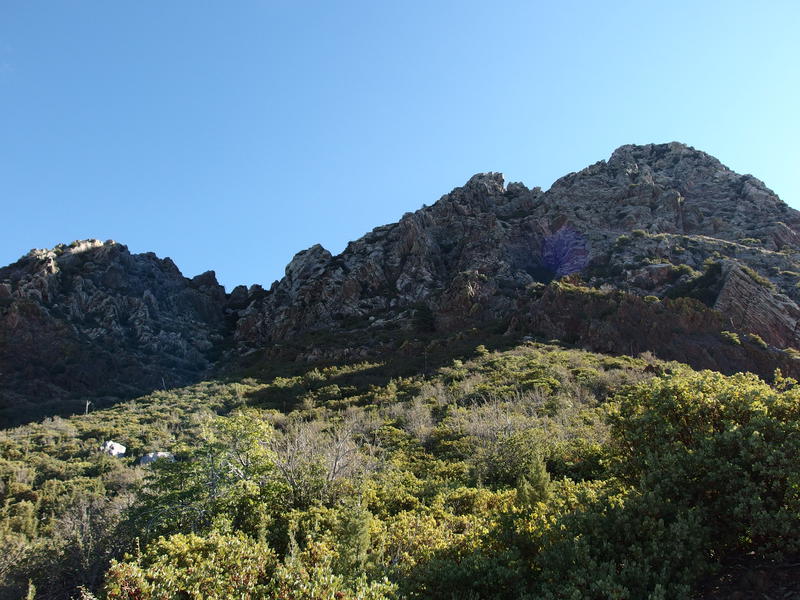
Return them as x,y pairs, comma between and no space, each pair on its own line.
152,457
113,448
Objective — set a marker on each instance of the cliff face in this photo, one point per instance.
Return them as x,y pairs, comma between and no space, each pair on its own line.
658,220
673,189
93,320
429,258
663,249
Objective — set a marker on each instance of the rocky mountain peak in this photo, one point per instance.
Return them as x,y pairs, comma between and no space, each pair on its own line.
473,257
90,318
481,193
654,154
661,245
304,266
488,184
673,188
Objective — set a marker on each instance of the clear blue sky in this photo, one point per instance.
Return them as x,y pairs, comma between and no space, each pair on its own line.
230,135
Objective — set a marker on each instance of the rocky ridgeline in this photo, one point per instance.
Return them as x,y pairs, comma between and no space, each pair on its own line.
93,320
663,248
648,222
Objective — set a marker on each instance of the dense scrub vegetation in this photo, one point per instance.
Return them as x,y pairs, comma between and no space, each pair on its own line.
537,472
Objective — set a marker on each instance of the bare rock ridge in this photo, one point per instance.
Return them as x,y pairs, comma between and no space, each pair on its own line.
659,248
647,222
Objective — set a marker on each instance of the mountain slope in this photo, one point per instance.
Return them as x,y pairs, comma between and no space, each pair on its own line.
663,248
466,459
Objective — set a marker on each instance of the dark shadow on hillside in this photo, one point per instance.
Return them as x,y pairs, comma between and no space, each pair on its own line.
32,401
415,355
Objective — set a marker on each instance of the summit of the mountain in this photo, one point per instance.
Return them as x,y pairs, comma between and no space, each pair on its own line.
645,222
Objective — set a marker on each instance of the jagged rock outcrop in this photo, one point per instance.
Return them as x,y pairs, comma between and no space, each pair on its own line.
647,222
672,188
663,248
451,255
91,320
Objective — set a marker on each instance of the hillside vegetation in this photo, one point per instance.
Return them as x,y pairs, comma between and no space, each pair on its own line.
501,395
533,472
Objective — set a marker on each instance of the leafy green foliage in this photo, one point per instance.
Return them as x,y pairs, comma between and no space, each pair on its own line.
229,474
722,446
756,339
537,472
758,278
705,287
731,337
213,567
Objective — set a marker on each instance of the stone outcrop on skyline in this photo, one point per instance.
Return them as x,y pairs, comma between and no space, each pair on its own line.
660,248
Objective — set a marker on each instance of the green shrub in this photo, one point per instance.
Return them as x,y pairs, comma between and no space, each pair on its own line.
731,337
216,567
622,240
705,288
684,269
758,278
724,446
709,467
624,545
537,472
793,353
230,472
